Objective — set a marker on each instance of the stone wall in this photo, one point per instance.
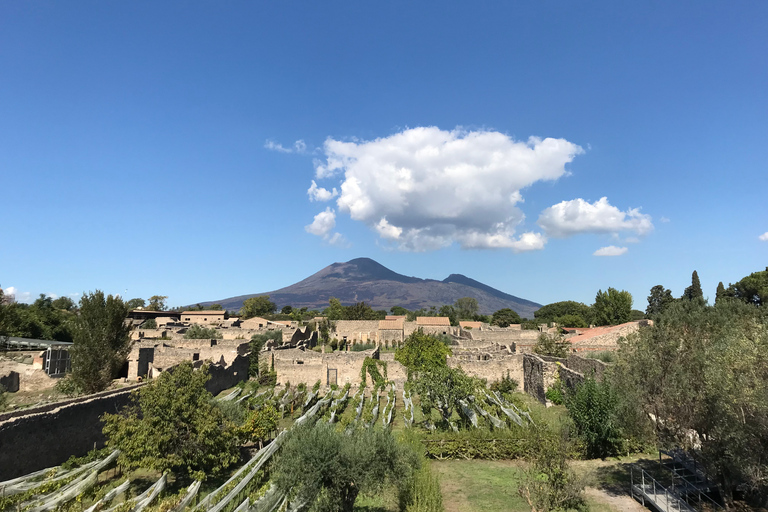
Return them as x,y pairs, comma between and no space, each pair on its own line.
47,436
224,377
493,368
357,331
9,380
538,375
295,366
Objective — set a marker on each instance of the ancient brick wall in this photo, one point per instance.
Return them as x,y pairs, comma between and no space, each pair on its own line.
538,375
357,331
47,436
493,368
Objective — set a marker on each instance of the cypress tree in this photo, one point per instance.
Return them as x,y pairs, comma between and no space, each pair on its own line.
720,293
694,291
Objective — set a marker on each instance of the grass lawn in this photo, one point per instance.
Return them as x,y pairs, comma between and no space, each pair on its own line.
491,486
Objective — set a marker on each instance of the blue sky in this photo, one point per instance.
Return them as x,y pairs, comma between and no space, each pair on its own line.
151,147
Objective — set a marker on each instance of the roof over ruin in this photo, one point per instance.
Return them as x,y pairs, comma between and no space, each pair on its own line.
433,320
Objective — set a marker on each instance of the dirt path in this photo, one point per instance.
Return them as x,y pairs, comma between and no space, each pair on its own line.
619,502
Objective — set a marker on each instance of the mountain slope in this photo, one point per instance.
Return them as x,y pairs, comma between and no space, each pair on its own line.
364,279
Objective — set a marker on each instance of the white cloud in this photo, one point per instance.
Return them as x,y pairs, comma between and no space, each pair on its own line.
764,237
24,297
664,220
632,240
426,188
321,194
298,147
611,250
579,216
322,226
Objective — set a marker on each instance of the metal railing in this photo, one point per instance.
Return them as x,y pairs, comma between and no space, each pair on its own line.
650,489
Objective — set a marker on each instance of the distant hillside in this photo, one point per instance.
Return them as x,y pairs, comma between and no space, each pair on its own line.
363,279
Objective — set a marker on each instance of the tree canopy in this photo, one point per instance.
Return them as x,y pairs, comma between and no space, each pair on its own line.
422,352
553,312
172,424
466,308
752,289
505,317
101,341
694,292
257,306
612,307
157,303
658,301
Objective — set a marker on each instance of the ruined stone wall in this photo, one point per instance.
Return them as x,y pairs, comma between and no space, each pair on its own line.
508,336
357,331
224,377
308,366
586,366
391,337
47,436
395,371
538,375
493,368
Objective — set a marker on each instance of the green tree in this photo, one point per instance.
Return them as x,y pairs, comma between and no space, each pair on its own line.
720,292
257,345
325,328
260,424
360,311
287,310
398,311
450,312
157,303
723,351
198,332
752,289
551,312
572,321
554,346
442,388
593,408
612,307
172,424
505,317
334,311
150,323
328,469
64,303
466,308
422,352
101,341
694,291
658,301
257,306
135,304
214,307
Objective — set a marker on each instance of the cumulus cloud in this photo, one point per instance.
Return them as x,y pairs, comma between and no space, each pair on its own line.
611,250
323,225
321,194
23,297
764,237
426,188
579,216
298,147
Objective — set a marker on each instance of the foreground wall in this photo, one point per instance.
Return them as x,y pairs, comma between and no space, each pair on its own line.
49,435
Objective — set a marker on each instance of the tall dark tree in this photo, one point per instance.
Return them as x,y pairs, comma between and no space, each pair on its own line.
694,292
752,289
102,341
658,301
505,317
612,307
720,293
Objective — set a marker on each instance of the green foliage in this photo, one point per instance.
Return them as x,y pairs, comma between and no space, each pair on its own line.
3,398
157,303
466,308
476,444
257,306
554,346
441,388
75,462
334,311
198,332
360,347
593,408
426,494
658,301
555,393
606,356
571,321
694,292
328,468
551,312
150,323
102,341
505,385
702,368
257,345
505,317
398,311
612,307
361,311
325,328
752,289
68,386
549,483
377,369
260,424
720,292
173,425
287,310
135,304
422,352
40,320
529,325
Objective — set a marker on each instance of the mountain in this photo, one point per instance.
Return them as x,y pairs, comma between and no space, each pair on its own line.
364,279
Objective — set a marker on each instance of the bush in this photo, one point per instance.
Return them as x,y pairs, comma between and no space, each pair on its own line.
553,346
327,468
68,387
506,385
149,324
555,392
593,409
606,356
198,332
173,425
359,347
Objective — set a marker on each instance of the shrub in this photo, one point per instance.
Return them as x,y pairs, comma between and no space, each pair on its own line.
198,332
593,408
506,385
552,346
555,392
606,356
359,347
149,324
